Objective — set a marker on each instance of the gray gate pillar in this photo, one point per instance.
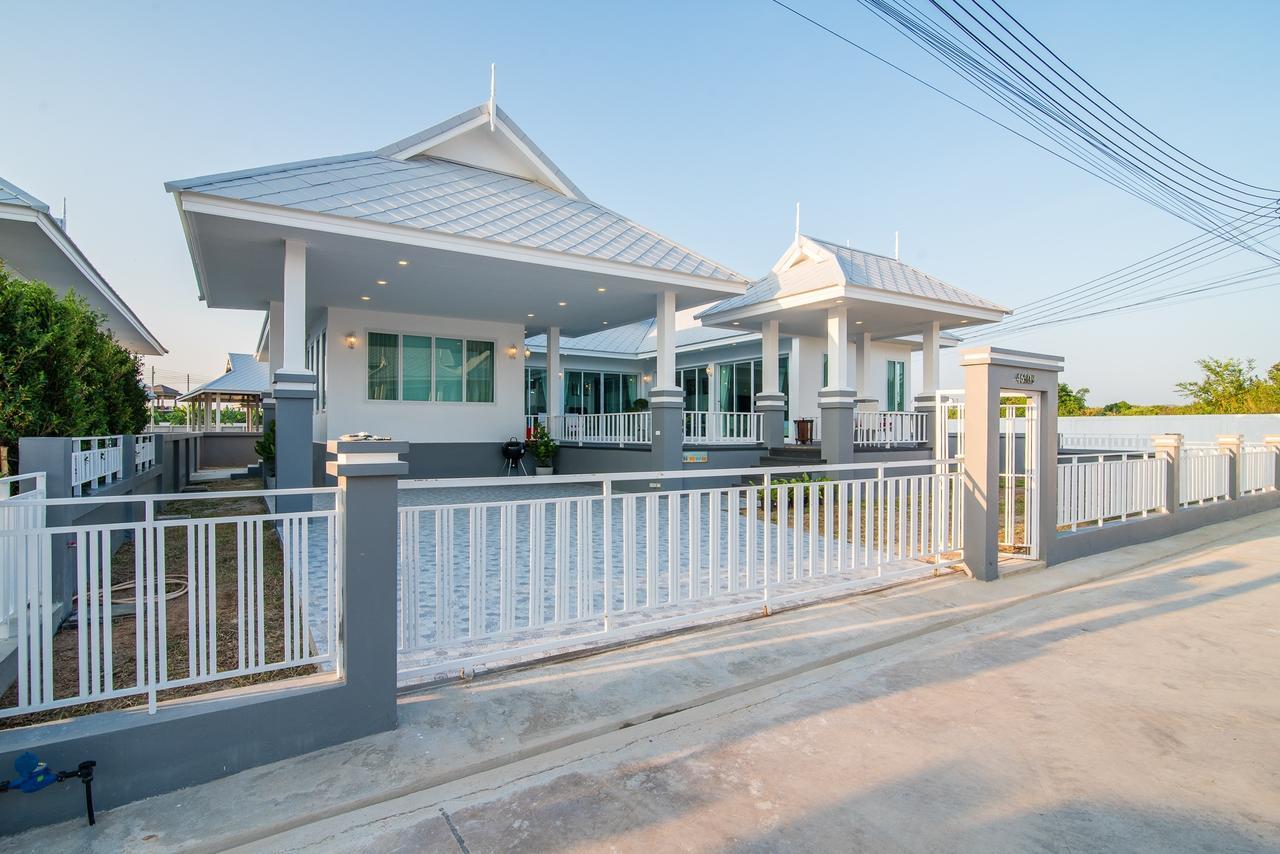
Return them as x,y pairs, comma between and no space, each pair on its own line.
987,372
294,393
367,471
666,406
772,407
1168,447
837,406
1232,444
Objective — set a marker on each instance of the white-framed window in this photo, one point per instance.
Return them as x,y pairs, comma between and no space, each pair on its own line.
316,361
425,368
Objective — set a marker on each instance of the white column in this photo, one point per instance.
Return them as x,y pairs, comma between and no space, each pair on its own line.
862,350
665,377
275,338
930,358
555,383
295,306
837,347
217,411
769,357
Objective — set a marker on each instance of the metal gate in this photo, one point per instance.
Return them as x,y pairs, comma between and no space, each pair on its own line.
1019,489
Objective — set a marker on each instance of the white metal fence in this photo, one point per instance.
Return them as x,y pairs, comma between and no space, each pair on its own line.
1019,493
144,452
1204,475
615,428
722,428
201,599
1094,489
95,461
21,509
890,429
1258,468
949,425
488,580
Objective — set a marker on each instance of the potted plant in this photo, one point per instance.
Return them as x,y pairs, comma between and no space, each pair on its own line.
544,450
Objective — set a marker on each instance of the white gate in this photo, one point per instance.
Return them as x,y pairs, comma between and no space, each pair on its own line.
1019,495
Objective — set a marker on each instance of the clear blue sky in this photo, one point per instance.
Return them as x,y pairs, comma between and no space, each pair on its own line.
706,121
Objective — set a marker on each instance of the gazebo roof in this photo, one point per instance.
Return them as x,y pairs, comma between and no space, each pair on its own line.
245,377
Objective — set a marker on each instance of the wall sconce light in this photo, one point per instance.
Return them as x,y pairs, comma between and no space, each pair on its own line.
512,351
709,370
646,378
351,341
527,352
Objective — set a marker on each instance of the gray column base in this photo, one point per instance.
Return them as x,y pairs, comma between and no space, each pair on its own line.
837,408
294,404
666,407
772,408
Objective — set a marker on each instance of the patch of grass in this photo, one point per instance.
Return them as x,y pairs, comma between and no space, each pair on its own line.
124,643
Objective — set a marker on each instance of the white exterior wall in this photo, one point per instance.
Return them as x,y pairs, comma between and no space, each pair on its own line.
1194,428
350,411
806,373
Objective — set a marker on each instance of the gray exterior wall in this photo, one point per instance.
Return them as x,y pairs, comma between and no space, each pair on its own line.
228,450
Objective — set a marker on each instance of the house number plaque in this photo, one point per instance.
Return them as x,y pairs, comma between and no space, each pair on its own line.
1025,379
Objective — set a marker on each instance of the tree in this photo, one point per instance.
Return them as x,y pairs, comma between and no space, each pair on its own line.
61,373
1071,401
1225,387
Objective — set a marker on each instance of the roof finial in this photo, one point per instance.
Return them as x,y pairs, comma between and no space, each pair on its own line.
797,220
895,247
493,91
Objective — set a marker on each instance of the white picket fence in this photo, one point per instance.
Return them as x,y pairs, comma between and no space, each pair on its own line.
722,428
95,461
122,614
1094,489
488,580
21,509
1204,475
890,429
1258,468
614,428
144,452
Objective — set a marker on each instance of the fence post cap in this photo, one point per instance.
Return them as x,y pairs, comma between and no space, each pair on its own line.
362,455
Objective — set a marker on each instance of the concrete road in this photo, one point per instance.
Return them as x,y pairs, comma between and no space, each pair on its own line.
1136,713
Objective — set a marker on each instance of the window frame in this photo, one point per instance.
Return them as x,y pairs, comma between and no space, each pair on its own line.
434,382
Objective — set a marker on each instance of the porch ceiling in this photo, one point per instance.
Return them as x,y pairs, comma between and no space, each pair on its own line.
239,260
884,315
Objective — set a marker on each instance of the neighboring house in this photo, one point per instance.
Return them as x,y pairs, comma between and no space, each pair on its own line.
243,384
163,397
35,246
401,283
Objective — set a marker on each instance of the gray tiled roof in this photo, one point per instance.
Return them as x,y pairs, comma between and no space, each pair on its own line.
247,376
11,194
442,196
864,269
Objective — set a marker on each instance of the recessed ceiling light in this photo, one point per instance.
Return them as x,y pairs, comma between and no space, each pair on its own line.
735,323
964,321
857,323
403,263
366,299
601,290
605,322
563,304
380,282
529,315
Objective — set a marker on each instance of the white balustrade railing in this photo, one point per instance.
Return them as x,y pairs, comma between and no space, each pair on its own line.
613,428
95,461
1258,468
21,509
1104,442
722,428
890,429
1094,489
144,452
1204,475
483,580
200,599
